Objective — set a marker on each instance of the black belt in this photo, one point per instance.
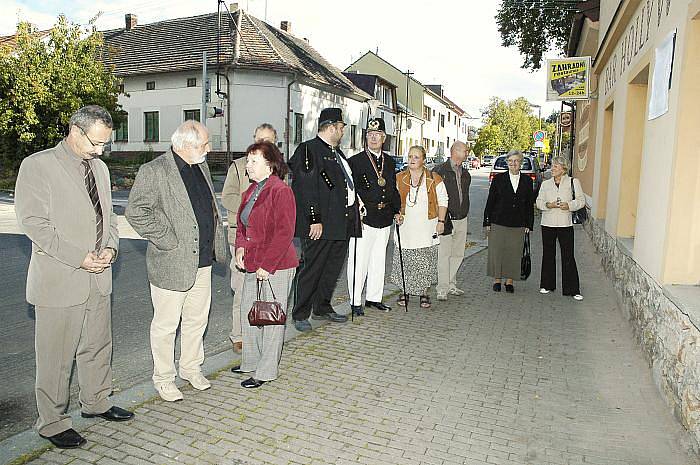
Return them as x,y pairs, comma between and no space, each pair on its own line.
378,206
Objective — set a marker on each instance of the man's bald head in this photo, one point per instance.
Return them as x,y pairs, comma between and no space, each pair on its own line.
458,152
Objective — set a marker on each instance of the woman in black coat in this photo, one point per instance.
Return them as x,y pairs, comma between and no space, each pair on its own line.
507,217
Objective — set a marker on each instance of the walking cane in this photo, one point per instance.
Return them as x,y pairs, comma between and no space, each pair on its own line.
403,277
354,277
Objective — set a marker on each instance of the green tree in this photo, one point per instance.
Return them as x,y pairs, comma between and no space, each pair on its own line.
508,125
43,80
535,27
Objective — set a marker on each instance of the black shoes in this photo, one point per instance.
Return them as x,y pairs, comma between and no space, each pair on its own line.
252,383
497,287
378,306
113,414
331,316
509,288
68,439
302,326
237,369
357,310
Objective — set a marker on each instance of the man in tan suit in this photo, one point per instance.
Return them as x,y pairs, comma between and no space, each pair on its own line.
64,205
172,204
236,184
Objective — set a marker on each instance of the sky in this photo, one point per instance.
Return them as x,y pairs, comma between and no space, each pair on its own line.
450,42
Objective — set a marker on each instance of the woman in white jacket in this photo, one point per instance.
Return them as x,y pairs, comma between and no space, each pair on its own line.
557,202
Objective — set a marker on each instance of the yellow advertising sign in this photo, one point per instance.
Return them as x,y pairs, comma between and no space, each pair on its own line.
568,78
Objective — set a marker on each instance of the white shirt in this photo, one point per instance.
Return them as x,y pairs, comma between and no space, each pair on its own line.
417,230
549,192
514,180
351,191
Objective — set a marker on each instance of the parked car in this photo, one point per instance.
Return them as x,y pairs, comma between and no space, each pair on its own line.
487,160
530,167
400,162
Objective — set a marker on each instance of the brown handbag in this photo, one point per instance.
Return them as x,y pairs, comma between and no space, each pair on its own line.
266,313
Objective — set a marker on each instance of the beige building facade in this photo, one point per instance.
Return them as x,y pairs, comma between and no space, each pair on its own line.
639,169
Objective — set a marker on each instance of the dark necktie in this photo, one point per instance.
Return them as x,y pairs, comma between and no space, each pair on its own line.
348,178
91,187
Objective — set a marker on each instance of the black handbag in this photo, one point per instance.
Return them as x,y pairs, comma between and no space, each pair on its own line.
449,227
266,313
525,261
578,216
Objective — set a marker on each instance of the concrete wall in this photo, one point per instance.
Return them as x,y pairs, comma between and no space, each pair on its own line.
641,152
432,129
256,97
646,192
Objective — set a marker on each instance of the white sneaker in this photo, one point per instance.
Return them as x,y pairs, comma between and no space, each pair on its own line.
441,296
168,391
198,381
578,297
544,291
456,291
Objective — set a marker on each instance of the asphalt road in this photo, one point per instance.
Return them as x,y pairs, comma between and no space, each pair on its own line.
131,316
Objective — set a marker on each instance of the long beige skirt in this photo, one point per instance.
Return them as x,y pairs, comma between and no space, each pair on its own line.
505,251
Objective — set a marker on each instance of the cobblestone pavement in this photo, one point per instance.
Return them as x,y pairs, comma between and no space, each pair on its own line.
482,379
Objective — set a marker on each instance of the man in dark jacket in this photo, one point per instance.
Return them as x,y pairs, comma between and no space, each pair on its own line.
327,216
374,174
451,250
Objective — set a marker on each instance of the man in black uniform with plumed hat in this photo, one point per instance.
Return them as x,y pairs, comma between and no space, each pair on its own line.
327,217
374,174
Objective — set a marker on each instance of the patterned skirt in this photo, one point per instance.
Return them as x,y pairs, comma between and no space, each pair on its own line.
419,266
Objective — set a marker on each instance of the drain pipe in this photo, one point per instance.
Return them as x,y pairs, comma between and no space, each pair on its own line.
287,121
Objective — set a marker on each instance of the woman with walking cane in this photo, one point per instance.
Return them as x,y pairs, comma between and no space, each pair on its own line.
422,220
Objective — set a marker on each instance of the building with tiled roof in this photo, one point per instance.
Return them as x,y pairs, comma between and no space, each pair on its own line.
260,74
425,115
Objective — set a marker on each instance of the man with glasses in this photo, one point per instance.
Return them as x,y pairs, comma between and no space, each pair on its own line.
64,205
172,205
374,173
327,216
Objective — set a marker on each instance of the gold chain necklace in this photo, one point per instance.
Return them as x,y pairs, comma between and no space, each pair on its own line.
379,171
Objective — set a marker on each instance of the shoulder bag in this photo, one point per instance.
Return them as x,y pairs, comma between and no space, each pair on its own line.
578,216
266,313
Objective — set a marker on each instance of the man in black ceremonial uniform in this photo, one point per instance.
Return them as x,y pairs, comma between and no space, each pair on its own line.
327,216
374,173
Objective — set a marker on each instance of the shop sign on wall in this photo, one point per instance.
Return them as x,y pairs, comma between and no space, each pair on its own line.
568,78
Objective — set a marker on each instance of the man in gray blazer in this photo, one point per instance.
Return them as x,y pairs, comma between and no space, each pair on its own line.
64,205
172,204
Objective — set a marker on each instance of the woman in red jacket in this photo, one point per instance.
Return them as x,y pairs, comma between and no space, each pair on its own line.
266,220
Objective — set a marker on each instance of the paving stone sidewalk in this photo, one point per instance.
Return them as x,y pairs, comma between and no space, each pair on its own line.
482,379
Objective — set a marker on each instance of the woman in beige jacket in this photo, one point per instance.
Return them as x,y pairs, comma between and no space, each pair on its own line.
557,202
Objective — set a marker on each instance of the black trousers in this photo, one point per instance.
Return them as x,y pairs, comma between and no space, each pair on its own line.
569,272
322,262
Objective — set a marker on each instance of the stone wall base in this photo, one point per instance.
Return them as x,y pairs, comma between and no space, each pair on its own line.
668,338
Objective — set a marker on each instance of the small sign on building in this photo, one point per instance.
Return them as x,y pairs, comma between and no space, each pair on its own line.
568,78
565,119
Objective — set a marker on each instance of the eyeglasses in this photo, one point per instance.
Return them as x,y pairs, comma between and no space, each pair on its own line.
100,145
